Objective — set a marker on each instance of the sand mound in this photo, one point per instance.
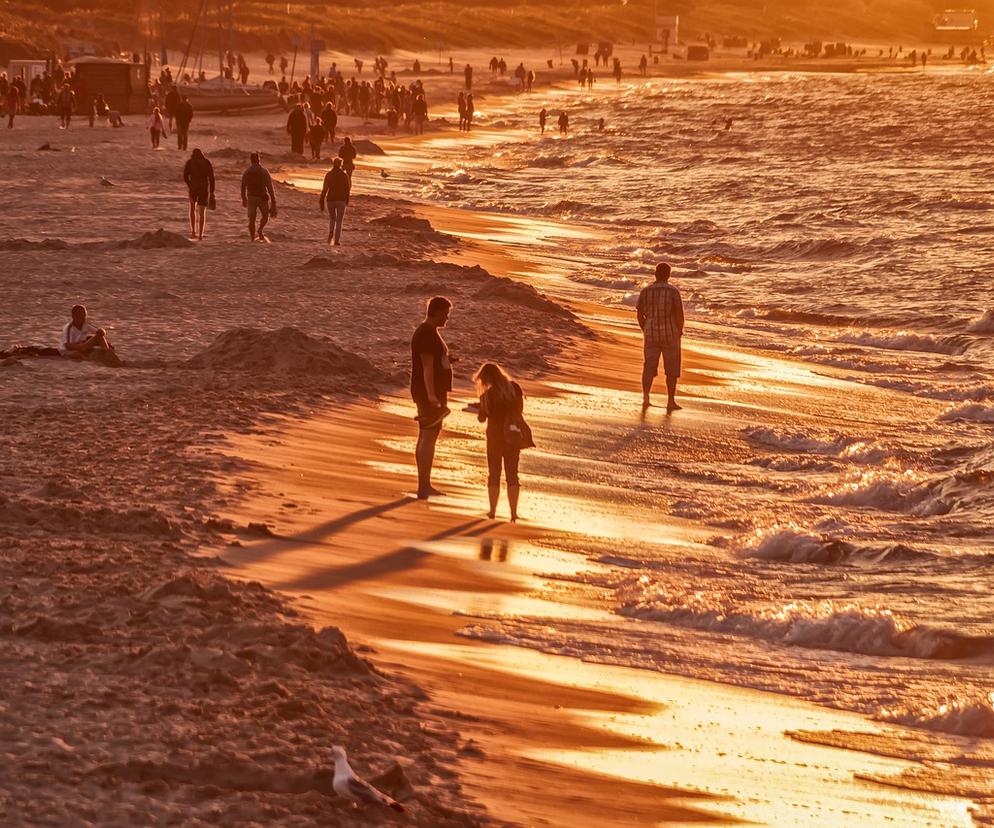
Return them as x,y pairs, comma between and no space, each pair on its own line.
287,352
366,147
75,518
404,221
152,240
501,289
26,244
229,152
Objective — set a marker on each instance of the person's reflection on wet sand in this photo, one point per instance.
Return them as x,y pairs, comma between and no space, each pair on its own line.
488,546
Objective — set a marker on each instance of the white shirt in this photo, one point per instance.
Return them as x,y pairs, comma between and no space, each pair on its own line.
71,334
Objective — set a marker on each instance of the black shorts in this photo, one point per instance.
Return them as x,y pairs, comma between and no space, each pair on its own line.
201,197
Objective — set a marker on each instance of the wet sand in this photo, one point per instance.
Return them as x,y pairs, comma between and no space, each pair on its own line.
173,447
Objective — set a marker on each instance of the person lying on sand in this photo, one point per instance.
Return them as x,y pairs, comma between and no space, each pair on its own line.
81,339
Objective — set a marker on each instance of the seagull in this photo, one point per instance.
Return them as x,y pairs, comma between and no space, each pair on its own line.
350,786
383,174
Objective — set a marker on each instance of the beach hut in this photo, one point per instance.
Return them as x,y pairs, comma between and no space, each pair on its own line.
121,82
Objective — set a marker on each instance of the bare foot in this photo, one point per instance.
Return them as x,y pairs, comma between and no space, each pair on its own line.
492,515
672,406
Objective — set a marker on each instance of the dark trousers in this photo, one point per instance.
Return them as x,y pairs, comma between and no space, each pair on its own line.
182,135
297,143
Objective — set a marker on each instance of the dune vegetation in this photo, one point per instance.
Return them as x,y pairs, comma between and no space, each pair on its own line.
377,25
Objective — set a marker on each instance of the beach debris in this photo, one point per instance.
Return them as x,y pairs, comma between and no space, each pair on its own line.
47,148
106,182
350,786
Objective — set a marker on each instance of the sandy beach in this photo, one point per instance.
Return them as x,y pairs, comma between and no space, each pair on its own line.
215,568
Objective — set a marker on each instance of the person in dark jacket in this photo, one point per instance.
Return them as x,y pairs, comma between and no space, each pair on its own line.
199,177
296,127
336,191
501,405
330,120
315,136
347,152
183,116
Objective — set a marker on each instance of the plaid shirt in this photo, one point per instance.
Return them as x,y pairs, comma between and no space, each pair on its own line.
663,309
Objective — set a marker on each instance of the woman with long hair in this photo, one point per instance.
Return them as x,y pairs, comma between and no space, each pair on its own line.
156,126
501,405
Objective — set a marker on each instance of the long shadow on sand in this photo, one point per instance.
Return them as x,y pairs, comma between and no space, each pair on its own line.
395,561
317,535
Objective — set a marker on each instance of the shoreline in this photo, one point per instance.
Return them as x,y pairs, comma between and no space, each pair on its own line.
393,559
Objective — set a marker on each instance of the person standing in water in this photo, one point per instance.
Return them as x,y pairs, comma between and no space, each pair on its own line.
470,111
501,405
336,191
258,196
563,123
660,316
431,381
542,118
199,177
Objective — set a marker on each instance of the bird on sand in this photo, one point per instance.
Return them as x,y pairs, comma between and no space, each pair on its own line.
350,786
106,182
383,174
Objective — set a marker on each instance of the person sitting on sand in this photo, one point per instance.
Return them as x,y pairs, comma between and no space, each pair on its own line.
336,190
199,177
660,316
81,339
501,405
431,381
258,196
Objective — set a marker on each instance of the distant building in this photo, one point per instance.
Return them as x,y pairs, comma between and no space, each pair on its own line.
956,20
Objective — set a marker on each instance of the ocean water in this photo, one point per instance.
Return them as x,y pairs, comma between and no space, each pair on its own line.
840,547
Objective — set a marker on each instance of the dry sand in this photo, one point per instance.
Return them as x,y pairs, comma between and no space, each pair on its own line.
141,685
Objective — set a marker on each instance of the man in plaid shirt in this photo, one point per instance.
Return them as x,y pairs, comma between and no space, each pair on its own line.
660,315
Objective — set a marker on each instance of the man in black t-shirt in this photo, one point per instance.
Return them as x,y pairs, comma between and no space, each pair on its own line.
431,381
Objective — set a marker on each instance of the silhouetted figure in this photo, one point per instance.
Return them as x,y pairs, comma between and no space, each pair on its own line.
184,117
501,408
468,76
270,60
563,123
12,103
543,116
660,316
199,177
347,152
431,381
329,118
470,111
258,196
315,137
296,127
462,111
419,111
66,105
336,190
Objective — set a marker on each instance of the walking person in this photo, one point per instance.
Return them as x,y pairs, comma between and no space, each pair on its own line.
156,126
543,116
420,112
563,123
347,152
199,177
258,196
470,111
462,111
660,316
66,105
315,135
184,117
336,191
296,127
501,408
431,381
